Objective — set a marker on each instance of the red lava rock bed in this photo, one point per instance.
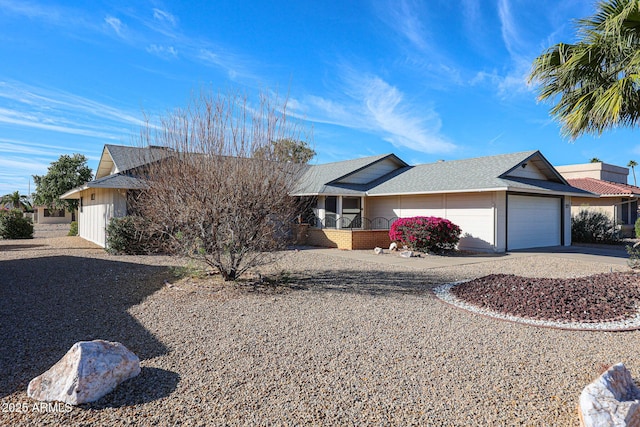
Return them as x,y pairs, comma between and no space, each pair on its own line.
597,298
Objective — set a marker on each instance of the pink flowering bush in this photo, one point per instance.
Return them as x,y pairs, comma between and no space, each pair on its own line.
425,233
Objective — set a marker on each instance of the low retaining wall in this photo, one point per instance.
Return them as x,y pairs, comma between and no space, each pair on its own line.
347,239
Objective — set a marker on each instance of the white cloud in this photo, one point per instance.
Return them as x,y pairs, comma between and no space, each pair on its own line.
115,24
401,123
25,164
164,17
12,146
224,61
12,120
59,111
409,19
509,84
509,28
375,106
166,52
51,14
404,19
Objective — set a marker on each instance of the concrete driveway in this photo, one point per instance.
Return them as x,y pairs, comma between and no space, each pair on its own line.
615,255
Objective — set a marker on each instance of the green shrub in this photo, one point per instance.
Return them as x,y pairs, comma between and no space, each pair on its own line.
592,227
125,236
637,227
73,229
130,235
13,225
425,233
634,255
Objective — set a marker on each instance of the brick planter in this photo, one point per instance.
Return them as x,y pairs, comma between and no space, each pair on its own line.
348,239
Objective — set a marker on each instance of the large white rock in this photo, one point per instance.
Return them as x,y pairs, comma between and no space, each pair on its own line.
88,371
611,400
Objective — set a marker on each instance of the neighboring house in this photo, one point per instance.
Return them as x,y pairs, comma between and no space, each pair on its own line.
106,196
616,198
44,215
505,202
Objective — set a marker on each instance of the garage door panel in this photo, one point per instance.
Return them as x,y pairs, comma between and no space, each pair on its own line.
533,222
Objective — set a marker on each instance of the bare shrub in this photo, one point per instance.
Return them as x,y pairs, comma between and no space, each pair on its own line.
211,197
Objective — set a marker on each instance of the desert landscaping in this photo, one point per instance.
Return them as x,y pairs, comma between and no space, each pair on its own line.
335,341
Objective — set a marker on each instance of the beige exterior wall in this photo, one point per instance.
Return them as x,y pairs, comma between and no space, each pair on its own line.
568,202
500,220
604,205
610,206
602,171
481,216
41,219
475,213
96,212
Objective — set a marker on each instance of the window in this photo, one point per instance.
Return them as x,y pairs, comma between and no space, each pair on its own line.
330,207
93,196
351,212
331,204
54,213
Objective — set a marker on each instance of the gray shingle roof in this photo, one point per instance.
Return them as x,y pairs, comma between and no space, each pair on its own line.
481,173
478,174
126,158
319,179
118,181
455,175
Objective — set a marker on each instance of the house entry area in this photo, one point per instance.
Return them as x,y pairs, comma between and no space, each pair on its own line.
342,212
340,222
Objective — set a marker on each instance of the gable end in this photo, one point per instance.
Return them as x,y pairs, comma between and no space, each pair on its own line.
372,171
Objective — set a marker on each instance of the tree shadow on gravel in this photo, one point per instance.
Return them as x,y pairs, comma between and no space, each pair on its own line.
48,304
371,282
152,384
20,247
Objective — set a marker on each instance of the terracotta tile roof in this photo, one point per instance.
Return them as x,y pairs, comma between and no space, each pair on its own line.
604,188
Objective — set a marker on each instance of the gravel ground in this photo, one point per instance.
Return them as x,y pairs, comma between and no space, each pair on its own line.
340,342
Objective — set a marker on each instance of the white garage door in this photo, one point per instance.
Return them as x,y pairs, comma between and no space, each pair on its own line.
533,222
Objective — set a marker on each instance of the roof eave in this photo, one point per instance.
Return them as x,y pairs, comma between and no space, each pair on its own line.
463,190
631,195
73,191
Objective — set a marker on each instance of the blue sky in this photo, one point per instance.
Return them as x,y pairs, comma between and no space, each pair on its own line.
427,80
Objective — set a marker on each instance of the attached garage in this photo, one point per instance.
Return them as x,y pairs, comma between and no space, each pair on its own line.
533,221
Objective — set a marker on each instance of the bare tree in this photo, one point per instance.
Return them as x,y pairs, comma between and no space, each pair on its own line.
210,197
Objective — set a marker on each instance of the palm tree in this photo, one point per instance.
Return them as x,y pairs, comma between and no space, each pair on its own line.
595,160
632,164
597,77
17,201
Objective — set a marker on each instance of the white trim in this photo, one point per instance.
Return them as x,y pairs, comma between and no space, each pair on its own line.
483,190
75,191
417,193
